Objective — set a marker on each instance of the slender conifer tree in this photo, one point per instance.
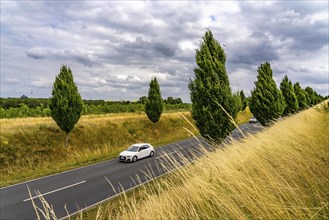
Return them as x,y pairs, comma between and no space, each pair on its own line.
289,96
266,102
301,96
211,95
244,101
66,103
154,102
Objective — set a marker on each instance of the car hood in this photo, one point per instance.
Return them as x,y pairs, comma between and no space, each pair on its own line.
127,153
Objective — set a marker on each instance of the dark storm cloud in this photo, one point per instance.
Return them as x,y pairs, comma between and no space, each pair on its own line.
306,36
78,55
307,75
291,21
164,49
143,50
255,49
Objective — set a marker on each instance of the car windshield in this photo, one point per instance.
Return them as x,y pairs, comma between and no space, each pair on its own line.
133,148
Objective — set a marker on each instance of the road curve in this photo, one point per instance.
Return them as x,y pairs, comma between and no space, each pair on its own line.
78,189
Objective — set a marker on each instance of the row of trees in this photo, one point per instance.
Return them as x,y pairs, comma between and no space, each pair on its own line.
267,102
214,105
170,100
7,103
24,110
32,103
40,107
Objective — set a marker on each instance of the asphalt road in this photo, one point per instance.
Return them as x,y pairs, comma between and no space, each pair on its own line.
75,190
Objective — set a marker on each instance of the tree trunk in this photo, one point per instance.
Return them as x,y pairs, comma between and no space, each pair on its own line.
67,140
153,128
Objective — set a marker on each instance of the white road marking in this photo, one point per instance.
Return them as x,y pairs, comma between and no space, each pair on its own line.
124,191
56,190
116,195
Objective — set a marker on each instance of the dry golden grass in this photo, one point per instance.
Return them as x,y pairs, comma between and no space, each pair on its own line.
280,173
13,124
33,147
243,116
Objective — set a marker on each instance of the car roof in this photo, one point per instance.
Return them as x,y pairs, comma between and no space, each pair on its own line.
140,144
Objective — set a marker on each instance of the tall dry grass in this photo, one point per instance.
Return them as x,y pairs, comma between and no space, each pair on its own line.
243,116
33,147
280,173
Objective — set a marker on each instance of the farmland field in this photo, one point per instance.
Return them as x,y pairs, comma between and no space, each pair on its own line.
33,147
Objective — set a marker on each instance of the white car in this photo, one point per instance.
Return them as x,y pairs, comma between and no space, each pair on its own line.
136,152
253,120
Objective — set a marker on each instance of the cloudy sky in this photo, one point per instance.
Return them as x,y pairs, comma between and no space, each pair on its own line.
114,47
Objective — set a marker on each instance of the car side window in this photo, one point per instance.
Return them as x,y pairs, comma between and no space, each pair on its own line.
145,146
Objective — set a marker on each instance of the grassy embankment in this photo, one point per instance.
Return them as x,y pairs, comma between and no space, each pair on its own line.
34,147
280,173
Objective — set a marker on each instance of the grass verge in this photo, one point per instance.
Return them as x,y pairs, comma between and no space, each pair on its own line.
280,173
34,147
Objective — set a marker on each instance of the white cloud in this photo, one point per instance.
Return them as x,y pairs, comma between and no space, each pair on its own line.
114,48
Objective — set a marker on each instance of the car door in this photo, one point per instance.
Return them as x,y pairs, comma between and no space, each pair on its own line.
144,151
147,150
140,152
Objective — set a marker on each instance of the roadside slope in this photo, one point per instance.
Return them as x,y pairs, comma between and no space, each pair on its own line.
34,147
280,173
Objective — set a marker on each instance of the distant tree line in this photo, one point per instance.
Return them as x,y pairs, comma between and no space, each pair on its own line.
7,103
170,100
24,111
40,107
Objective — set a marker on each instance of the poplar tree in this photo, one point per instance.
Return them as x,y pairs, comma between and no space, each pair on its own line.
210,91
266,102
289,96
314,97
66,103
244,101
301,96
154,105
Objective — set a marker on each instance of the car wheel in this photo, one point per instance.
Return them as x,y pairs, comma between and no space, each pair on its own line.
152,154
134,159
